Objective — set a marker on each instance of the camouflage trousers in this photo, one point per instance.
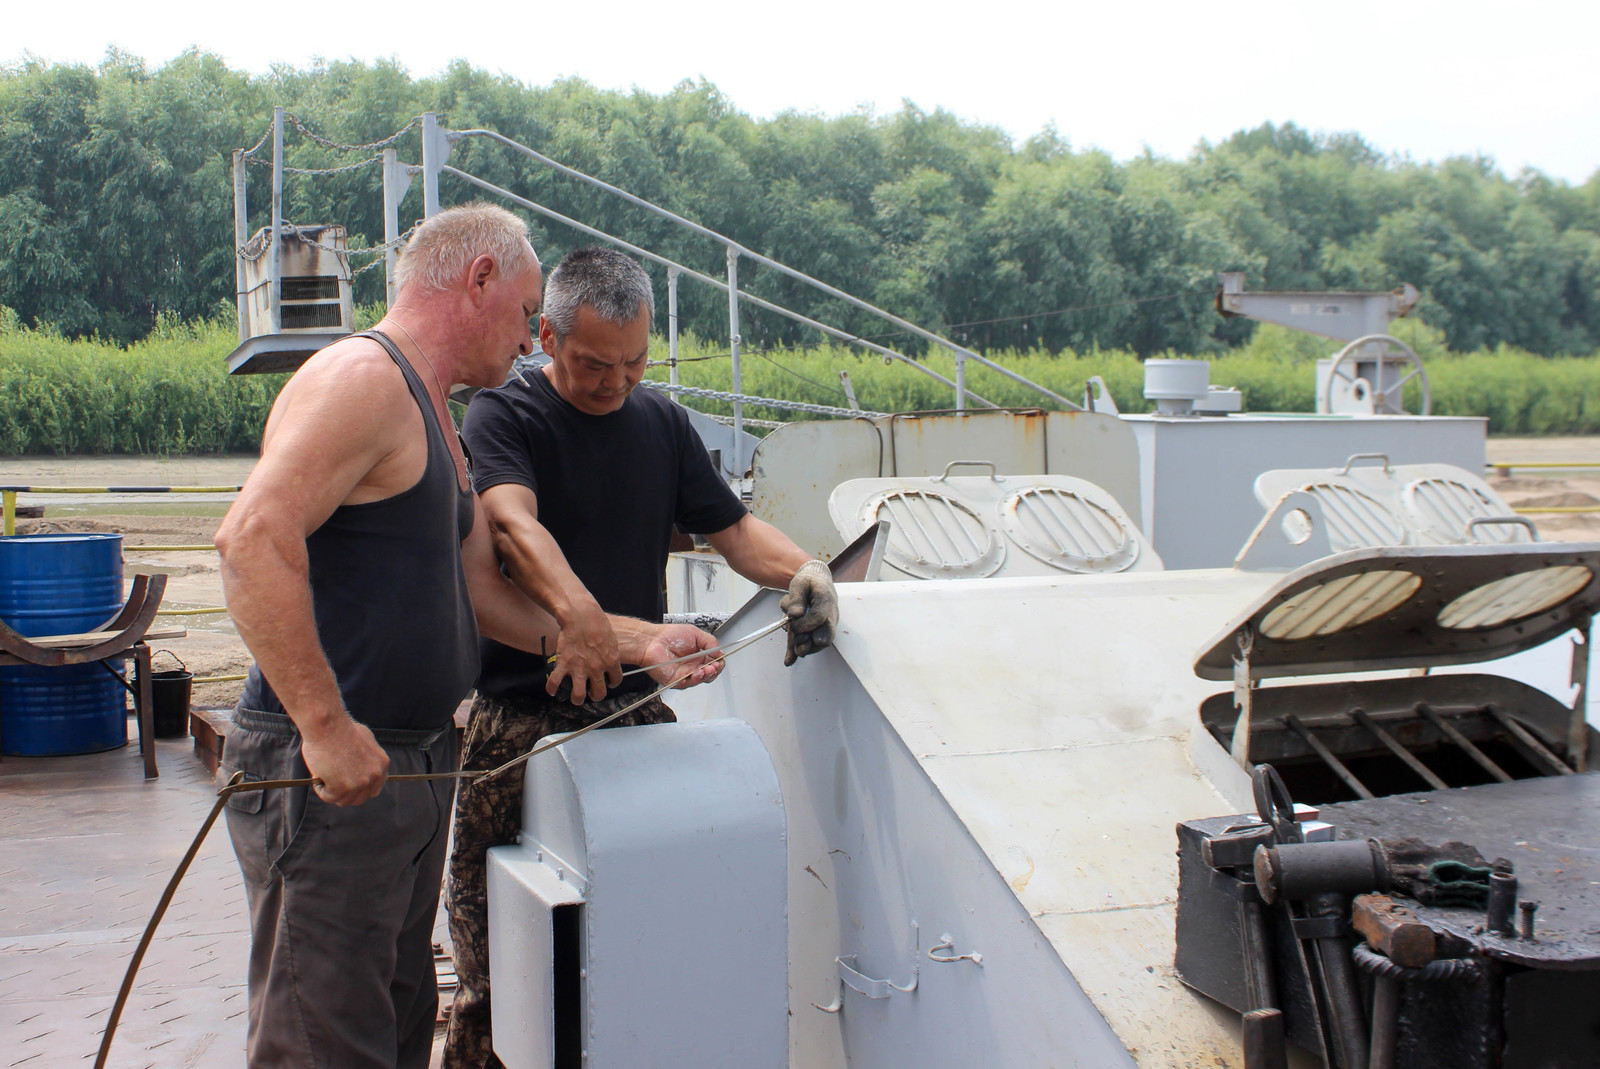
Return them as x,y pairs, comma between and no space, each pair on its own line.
489,813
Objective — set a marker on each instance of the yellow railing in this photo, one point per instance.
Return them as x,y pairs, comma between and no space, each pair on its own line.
8,495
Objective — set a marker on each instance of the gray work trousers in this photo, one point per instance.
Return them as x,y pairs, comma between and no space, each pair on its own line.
342,902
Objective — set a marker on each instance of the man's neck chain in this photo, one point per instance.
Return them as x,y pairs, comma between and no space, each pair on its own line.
433,370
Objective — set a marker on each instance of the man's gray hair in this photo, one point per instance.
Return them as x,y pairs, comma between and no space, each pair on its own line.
444,245
610,283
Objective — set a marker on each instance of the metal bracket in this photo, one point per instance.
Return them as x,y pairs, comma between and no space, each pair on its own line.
994,470
1320,928
1241,696
856,980
853,978
946,942
1578,725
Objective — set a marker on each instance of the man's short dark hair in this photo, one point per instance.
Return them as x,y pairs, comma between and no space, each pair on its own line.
611,284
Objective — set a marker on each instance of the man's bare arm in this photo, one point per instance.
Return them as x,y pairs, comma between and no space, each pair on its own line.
506,614
762,553
759,552
588,651
327,434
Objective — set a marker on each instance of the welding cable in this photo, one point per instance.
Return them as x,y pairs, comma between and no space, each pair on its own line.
239,785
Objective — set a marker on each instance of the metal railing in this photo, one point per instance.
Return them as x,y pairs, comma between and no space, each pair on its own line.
436,146
1504,470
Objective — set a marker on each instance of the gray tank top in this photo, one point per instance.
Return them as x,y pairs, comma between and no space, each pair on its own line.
389,594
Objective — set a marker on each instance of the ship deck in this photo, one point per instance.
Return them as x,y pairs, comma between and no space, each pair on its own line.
86,848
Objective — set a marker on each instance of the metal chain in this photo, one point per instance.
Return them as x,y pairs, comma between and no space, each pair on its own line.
251,151
291,228
368,162
771,402
340,146
765,424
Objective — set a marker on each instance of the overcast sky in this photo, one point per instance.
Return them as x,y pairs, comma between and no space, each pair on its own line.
1516,82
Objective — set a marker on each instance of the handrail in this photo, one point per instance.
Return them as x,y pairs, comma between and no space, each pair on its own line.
9,492
759,302
961,352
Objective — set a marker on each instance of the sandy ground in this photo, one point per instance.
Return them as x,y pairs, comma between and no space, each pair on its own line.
212,646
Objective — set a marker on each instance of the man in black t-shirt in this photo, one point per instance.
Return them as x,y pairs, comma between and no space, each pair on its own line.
583,479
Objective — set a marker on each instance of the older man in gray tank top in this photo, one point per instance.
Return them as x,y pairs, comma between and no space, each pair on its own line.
360,573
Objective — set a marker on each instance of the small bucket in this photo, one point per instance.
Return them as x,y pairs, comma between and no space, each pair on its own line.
169,699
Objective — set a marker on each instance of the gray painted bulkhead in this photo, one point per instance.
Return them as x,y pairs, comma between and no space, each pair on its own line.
882,869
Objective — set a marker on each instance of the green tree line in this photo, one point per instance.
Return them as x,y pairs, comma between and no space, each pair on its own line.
116,208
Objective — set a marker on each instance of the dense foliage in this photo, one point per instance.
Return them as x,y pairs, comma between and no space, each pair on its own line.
169,392
116,208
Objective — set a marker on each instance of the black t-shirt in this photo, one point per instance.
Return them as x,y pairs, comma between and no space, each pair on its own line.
610,489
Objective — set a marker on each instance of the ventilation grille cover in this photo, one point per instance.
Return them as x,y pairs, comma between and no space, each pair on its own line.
934,536
1356,520
1067,530
1441,508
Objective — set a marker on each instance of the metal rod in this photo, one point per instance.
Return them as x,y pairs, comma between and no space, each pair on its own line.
672,329
432,164
1502,900
241,234
10,504
1394,747
1522,735
274,294
1578,723
391,224
1467,745
1385,1022
1329,758
765,261
1339,978
749,298
1261,988
733,344
961,381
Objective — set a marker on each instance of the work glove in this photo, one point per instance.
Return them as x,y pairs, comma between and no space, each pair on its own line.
812,606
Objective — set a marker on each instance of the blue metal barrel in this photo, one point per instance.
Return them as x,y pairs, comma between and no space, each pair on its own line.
61,584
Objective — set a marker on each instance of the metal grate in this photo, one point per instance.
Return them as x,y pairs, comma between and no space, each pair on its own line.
936,537
1356,520
310,288
1442,509
1340,604
1068,531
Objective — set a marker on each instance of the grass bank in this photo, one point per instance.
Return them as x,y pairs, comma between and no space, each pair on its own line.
169,394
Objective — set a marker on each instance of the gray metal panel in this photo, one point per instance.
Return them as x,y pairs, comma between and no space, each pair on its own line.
677,834
1199,473
798,465
523,895
954,796
278,352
